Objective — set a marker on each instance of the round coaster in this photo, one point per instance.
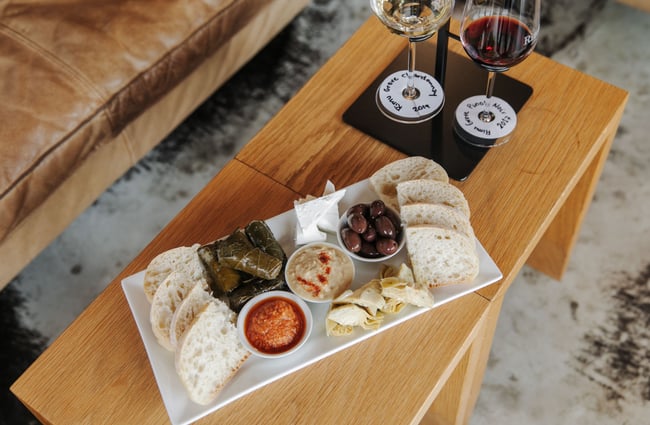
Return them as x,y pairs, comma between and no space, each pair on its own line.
393,104
475,131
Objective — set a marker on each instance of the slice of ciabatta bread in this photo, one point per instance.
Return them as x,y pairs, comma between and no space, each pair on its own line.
168,297
436,215
186,312
432,192
182,259
209,353
441,256
384,180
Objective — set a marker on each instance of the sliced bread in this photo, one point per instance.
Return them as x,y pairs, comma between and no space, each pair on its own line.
209,353
432,192
441,256
168,297
186,312
436,215
385,180
182,259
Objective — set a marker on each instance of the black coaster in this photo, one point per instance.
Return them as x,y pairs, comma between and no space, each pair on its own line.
435,138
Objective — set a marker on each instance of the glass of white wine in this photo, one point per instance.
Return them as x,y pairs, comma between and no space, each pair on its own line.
410,96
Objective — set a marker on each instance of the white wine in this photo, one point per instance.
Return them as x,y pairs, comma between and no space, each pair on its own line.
405,96
417,20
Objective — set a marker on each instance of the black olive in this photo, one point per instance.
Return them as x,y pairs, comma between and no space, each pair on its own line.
358,209
357,222
377,208
351,239
370,234
369,250
385,227
386,246
394,218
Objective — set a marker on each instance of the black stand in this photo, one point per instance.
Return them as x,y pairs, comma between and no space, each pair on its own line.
435,139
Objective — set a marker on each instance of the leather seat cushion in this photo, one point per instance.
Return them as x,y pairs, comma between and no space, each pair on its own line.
76,72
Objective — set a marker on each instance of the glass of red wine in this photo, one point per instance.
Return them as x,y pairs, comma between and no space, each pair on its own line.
496,35
410,96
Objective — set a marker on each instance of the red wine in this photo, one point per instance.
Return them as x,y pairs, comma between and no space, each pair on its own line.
497,42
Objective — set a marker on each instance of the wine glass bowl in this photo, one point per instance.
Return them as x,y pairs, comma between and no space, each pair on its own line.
408,96
497,43
417,20
496,35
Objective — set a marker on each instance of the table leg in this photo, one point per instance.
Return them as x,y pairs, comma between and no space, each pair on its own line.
551,255
455,402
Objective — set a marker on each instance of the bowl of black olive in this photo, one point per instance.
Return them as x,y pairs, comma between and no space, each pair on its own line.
371,231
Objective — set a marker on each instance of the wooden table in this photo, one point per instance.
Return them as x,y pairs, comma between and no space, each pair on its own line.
527,198
643,5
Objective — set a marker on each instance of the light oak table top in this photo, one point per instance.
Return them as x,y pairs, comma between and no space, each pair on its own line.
527,198
643,5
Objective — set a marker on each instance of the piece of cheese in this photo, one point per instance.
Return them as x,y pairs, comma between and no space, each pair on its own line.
318,214
311,234
329,221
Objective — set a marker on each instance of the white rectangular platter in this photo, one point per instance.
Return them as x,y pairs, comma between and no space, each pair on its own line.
257,372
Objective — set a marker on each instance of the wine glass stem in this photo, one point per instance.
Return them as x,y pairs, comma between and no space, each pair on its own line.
410,92
490,84
486,115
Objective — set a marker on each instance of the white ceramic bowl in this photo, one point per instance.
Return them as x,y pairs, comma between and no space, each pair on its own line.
401,241
319,272
282,300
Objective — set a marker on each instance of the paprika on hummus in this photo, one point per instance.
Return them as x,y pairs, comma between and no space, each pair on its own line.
319,272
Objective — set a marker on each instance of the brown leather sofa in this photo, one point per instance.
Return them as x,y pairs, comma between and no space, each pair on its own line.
87,87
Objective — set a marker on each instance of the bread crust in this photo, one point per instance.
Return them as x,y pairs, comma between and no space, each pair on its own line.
433,192
384,181
212,329
436,215
441,256
440,240
180,259
168,297
186,312
176,285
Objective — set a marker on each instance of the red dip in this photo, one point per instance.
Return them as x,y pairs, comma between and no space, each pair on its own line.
274,325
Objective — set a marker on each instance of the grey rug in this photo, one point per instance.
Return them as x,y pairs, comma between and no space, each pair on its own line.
574,351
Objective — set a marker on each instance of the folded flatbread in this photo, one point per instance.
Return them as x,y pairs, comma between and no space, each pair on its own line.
365,307
406,292
368,296
342,318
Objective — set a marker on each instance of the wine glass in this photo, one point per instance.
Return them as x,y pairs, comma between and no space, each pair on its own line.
496,35
408,96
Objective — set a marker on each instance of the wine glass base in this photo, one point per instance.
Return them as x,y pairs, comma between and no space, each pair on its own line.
469,126
392,103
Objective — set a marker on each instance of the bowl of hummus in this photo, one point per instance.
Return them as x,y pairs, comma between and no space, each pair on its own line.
274,324
319,272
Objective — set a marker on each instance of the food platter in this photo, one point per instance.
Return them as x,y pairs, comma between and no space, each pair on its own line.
257,372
